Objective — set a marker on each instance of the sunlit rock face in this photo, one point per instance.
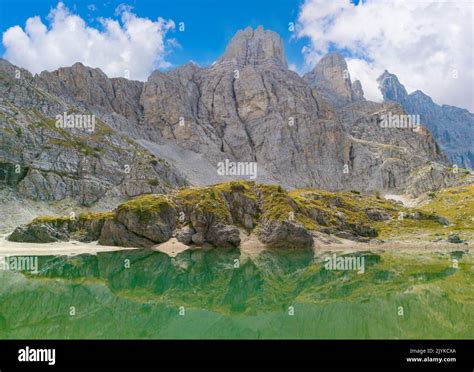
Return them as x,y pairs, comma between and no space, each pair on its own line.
248,106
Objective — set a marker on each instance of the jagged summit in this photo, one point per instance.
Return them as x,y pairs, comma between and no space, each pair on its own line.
391,88
255,47
331,77
357,91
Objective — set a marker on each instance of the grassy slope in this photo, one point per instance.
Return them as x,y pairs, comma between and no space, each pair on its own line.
456,204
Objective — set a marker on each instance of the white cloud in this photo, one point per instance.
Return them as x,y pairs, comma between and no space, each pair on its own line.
425,43
132,44
293,67
367,74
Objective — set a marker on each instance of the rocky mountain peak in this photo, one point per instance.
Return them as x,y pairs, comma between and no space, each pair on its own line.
391,88
421,97
357,91
334,60
256,47
331,77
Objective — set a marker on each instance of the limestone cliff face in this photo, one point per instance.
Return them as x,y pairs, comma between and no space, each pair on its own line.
452,127
331,77
256,47
43,161
249,107
175,128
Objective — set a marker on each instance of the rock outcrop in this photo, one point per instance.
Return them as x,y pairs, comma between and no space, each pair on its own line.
86,227
248,107
215,215
152,217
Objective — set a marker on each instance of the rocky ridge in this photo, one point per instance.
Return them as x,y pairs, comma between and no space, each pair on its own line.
216,216
452,127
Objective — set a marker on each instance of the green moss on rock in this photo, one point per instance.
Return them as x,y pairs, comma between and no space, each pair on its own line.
204,200
146,206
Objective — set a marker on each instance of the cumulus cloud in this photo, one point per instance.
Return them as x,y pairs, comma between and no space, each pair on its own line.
129,46
427,44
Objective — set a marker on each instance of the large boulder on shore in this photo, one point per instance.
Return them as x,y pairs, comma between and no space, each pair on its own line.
40,232
115,234
209,215
150,216
185,235
284,234
223,236
86,227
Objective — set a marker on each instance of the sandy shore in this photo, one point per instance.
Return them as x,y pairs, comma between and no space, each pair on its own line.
70,248
250,247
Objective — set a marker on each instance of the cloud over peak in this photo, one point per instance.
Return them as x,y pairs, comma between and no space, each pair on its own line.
427,44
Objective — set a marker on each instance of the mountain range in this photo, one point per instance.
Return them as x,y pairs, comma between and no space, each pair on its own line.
176,128
452,127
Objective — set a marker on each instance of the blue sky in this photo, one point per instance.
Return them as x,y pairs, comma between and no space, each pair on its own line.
209,24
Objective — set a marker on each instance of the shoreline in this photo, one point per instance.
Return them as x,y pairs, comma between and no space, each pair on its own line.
250,246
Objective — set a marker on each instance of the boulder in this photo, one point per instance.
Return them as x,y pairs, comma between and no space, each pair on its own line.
185,235
223,236
155,221
115,234
198,239
43,232
284,234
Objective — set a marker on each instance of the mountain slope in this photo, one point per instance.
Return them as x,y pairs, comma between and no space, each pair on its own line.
44,162
452,127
